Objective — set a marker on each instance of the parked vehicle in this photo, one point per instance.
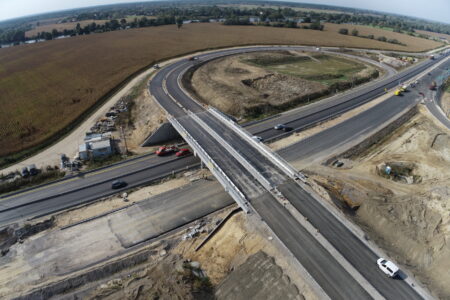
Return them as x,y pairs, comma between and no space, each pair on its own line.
183,152
33,170
388,267
117,184
24,173
433,86
166,150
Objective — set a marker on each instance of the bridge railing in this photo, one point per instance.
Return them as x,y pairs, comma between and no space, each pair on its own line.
228,185
263,149
238,156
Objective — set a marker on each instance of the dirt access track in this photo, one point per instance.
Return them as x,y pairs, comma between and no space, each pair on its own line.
258,84
405,212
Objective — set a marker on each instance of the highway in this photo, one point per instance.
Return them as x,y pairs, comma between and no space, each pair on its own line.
272,214
89,187
80,190
279,219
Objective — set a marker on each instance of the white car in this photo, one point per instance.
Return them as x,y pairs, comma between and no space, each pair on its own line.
257,138
388,267
279,126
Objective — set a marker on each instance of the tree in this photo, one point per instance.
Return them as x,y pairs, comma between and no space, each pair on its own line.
78,28
55,33
179,22
123,23
316,26
371,36
382,38
343,31
355,32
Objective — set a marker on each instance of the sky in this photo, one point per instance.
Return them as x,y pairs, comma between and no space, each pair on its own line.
437,10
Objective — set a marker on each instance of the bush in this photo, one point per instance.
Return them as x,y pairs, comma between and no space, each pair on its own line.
382,38
355,32
393,41
343,31
371,36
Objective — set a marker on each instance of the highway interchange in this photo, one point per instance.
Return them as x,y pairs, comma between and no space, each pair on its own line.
338,284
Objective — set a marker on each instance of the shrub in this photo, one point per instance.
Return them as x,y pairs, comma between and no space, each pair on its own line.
343,31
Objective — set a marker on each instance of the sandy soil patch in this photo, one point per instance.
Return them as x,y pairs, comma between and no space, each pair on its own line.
411,221
446,103
146,117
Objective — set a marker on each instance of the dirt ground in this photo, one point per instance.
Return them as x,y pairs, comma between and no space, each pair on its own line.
230,248
146,117
242,89
446,103
407,212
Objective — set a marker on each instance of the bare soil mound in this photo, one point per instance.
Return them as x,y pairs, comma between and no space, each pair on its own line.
256,84
406,212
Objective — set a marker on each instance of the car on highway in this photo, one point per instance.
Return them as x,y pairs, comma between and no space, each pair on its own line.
166,150
388,267
117,184
257,138
183,152
279,127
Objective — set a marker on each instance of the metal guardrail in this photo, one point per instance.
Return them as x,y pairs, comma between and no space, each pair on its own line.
228,185
263,149
247,165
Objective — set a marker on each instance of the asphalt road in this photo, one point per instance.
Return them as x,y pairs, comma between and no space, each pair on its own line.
278,218
357,128
89,187
273,215
80,190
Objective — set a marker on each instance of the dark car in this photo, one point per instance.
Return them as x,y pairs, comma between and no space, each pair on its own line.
117,184
25,173
33,170
287,129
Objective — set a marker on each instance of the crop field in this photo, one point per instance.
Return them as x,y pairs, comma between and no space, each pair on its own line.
435,34
48,27
320,68
411,41
46,87
61,26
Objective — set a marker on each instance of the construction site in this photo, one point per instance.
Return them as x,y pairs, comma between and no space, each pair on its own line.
393,185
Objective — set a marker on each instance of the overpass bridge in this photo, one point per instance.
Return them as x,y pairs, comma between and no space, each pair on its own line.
336,257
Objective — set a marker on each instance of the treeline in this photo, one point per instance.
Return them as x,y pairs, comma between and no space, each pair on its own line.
163,13
276,23
355,32
107,26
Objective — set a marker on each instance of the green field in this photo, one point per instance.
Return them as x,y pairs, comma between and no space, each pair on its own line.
321,68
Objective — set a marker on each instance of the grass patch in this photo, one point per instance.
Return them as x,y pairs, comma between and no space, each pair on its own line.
320,68
103,162
21,183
